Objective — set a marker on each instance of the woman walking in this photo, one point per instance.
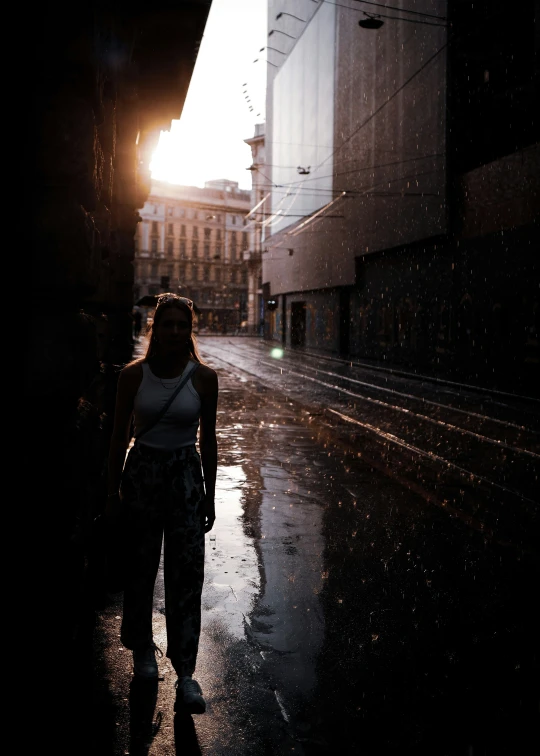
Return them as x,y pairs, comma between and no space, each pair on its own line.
164,490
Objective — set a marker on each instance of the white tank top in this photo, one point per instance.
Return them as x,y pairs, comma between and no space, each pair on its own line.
179,425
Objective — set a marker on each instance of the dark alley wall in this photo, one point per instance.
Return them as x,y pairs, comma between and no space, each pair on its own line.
105,78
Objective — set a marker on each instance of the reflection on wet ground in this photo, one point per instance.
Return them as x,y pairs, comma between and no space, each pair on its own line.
341,614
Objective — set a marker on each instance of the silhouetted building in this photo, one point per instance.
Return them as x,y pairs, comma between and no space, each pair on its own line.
104,80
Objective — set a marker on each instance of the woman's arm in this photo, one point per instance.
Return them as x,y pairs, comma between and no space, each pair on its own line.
208,391
128,383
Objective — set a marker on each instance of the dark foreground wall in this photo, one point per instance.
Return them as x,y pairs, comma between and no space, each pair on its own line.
103,79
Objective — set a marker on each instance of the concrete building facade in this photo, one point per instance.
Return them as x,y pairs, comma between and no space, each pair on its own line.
254,225
404,165
193,241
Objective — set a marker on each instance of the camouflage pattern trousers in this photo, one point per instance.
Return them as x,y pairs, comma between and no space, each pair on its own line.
162,494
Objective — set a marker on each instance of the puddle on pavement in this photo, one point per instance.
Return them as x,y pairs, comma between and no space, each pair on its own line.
231,572
340,565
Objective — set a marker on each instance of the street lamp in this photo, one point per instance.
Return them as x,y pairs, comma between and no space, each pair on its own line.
280,32
272,64
370,22
272,48
283,13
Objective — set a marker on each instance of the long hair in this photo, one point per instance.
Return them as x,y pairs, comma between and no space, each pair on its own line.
166,302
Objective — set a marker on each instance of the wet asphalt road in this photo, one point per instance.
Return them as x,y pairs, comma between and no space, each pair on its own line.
345,610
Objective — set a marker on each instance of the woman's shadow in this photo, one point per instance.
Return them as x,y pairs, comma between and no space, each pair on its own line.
144,723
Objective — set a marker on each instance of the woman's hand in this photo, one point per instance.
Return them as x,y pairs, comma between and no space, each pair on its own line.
208,513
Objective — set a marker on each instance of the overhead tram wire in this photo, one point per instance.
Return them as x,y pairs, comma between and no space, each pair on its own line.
384,104
392,18
360,193
426,63
344,173
372,115
401,10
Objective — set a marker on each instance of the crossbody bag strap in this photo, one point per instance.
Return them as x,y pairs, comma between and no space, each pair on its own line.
168,403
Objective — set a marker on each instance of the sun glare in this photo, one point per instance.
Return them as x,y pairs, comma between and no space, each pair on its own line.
175,163
207,142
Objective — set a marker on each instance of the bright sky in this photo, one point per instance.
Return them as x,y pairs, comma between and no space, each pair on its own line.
207,142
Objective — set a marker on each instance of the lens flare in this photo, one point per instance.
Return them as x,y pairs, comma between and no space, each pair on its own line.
276,353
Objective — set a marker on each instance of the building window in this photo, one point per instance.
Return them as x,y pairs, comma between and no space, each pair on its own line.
206,274
195,214
154,227
153,245
218,234
244,276
207,232
182,230
170,271
170,229
244,240
194,249
182,248
233,218
206,251
169,249
195,272
195,232
181,212
233,275
153,270
155,209
218,275
169,211
218,251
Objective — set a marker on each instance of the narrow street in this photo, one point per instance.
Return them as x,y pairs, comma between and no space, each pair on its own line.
370,578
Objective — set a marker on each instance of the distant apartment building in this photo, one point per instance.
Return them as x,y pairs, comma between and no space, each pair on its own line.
193,241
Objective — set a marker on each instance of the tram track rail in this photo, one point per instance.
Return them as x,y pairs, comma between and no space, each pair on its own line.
477,453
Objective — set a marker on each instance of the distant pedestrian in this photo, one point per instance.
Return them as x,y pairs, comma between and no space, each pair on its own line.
166,490
137,323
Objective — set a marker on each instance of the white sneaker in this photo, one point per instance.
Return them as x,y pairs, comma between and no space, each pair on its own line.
189,696
144,661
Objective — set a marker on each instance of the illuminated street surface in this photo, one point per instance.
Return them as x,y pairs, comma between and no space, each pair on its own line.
361,596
